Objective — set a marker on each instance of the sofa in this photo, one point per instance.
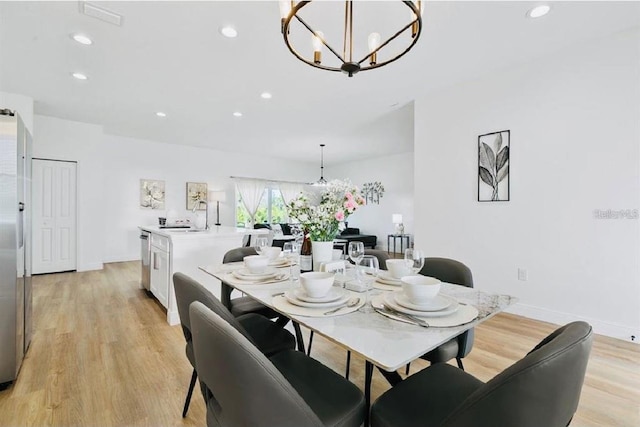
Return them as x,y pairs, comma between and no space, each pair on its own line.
352,234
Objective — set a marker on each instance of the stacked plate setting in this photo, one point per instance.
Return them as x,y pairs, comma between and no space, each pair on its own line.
268,274
441,305
334,298
386,278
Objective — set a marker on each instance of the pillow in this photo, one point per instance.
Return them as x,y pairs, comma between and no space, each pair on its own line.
286,229
259,226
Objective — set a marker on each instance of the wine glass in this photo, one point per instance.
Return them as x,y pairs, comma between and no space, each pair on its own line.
356,252
366,275
291,251
414,259
260,244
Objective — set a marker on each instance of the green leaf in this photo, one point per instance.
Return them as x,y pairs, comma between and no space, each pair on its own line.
503,157
487,158
486,176
503,173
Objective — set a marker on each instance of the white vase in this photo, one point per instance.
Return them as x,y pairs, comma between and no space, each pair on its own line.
321,252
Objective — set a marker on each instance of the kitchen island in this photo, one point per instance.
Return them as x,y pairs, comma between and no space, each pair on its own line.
183,250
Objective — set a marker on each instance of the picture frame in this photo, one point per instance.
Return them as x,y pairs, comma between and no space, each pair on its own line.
196,191
494,164
152,195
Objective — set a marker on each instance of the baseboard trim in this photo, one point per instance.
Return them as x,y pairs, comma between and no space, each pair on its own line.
122,258
601,327
90,266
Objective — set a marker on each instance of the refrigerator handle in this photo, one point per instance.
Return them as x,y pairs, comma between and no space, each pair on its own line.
20,225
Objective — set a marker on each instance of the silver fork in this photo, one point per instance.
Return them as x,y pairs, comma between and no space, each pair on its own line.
415,319
352,303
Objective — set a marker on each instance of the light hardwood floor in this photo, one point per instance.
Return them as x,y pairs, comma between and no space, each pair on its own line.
103,355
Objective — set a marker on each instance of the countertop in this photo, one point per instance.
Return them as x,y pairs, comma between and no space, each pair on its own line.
214,231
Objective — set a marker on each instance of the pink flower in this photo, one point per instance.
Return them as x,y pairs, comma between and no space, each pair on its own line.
350,205
349,196
340,216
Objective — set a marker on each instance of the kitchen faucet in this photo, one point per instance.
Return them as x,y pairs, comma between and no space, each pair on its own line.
196,204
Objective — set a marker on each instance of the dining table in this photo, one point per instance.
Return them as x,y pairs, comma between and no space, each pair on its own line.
383,340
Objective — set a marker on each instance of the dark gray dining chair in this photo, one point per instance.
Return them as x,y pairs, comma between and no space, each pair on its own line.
268,337
244,305
542,389
243,387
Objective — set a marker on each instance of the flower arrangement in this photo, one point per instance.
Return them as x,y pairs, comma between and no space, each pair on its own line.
324,219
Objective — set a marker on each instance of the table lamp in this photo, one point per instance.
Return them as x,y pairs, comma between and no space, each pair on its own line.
217,196
397,220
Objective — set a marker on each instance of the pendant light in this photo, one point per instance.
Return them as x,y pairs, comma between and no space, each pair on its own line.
321,181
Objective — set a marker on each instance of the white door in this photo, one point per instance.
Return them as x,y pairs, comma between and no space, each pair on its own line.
54,216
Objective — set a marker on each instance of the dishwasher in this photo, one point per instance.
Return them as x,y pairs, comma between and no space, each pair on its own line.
145,257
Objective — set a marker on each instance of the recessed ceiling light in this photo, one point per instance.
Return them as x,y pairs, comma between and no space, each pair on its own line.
539,11
229,31
82,39
265,95
79,76
161,114
237,114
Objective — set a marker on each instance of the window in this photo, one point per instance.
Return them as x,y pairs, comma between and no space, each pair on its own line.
271,210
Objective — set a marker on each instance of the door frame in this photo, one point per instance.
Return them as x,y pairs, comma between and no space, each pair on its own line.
77,206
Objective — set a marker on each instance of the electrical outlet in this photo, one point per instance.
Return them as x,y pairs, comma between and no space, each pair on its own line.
522,274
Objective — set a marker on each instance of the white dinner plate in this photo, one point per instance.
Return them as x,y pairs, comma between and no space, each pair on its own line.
245,274
388,281
332,295
279,262
386,275
295,301
390,301
440,302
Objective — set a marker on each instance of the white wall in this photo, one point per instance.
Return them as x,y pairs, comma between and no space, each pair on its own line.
396,174
575,132
20,103
109,171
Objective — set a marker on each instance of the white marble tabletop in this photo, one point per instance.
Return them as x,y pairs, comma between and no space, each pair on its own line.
386,343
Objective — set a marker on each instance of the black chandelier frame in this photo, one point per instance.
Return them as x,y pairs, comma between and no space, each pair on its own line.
349,66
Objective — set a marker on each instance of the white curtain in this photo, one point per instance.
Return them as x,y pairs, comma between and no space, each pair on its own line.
289,192
251,192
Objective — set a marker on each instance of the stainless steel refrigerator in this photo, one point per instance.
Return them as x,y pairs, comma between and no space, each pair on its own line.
15,244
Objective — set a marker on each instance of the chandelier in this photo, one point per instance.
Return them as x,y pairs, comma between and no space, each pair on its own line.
321,182
290,9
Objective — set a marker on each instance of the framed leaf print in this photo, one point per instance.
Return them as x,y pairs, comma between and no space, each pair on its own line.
493,166
196,191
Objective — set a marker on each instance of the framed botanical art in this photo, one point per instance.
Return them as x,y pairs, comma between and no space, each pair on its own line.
151,194
493,166
196,191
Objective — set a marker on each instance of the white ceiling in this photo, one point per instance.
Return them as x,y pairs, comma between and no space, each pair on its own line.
169,56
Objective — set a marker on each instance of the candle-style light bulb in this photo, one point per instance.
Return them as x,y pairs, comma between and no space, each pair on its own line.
285,8
316,41
374,43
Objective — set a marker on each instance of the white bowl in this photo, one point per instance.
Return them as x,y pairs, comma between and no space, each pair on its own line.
398,268
272,252
256,263
316,284
420,289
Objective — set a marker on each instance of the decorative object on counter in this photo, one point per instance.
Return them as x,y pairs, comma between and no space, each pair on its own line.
217,196
151,194
493,166
321,182
373,192
162,221
411,27
196,192
322,214
397,220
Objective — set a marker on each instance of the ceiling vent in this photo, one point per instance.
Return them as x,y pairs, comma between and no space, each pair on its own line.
100,13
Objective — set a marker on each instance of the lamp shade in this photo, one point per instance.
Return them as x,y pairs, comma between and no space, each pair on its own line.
217,196
396,218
